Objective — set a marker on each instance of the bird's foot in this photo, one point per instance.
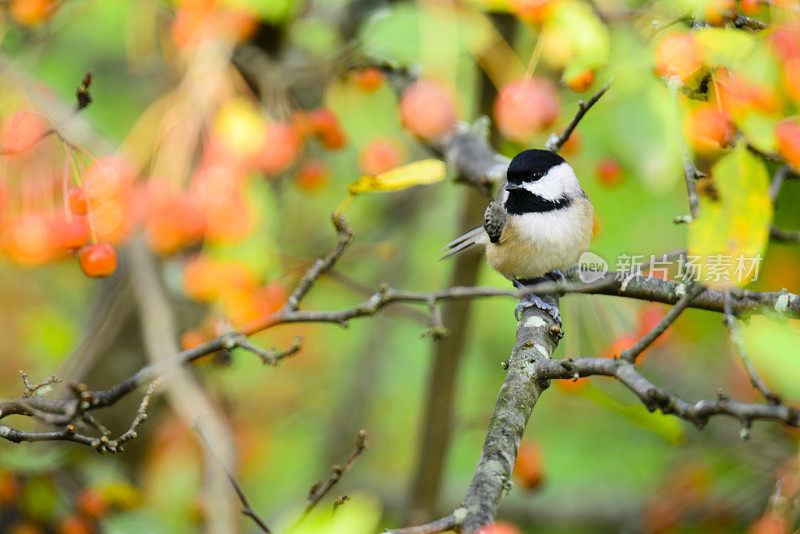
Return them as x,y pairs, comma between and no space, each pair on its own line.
537,302
557,276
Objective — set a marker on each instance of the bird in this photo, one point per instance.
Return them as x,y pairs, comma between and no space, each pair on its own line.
539,222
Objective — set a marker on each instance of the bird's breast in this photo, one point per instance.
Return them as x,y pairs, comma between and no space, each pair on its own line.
533,244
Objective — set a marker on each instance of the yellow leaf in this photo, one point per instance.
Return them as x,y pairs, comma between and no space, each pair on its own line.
728,237
427,171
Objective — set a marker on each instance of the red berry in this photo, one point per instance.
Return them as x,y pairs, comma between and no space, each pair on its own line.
529,468
325,126
719,12
71,235
379,156
750,7
708,130
281,145
679,56
21,131
608,172
98,260
92,504
312,175
525,107
369,80
77,201
787,134
426,110
500,527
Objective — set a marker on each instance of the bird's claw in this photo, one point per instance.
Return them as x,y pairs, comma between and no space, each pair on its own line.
538,302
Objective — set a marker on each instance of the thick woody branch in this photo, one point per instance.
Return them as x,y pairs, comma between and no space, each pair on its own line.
537,337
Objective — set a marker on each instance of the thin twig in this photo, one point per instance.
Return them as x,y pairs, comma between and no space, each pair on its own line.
630,354
450,522
555,143
735,333
322,265
786,236
268,357
30,389
247,510
319,490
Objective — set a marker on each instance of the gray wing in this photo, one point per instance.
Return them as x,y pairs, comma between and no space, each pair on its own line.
494,218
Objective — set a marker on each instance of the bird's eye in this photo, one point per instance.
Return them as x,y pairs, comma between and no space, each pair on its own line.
535,176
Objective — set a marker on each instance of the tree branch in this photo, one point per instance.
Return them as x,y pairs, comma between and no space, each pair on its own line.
630,354
555,142
319,490
654,397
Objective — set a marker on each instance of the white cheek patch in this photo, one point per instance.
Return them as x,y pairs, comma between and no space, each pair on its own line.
559,180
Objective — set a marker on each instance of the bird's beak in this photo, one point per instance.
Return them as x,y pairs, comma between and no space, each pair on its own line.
513,187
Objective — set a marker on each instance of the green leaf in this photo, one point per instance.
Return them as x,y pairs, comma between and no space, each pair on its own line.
725,46
575,28
732,229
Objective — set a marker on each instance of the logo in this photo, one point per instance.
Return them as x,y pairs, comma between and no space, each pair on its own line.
592,267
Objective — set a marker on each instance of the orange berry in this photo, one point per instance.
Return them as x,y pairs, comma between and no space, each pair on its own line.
608,172
193,338
98,260
678,56
770,523
70,235
526,107
500,527
708,130
620,343
74,525
581,81
532,10
380,155
77,201
325,126
21,131
281,145
312,175
273,296
787,135
31,12
720,12
91,504
9,488
369,80
529,467
750,7
426,110
28,239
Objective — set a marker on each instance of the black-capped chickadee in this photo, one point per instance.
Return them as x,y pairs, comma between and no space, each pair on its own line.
540,221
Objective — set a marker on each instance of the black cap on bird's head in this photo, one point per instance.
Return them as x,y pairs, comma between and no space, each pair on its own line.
530,165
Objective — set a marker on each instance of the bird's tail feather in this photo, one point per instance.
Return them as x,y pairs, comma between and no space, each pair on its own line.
462,243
